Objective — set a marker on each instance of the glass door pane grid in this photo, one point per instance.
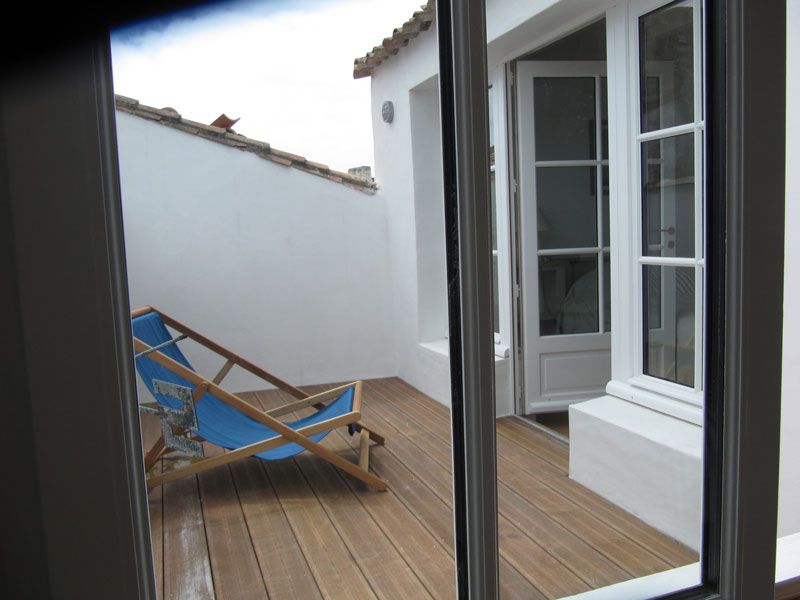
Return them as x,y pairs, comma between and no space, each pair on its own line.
602,249
697,128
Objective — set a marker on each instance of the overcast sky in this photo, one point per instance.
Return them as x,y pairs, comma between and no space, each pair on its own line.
285,67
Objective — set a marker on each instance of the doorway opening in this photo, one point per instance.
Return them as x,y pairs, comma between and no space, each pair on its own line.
563,225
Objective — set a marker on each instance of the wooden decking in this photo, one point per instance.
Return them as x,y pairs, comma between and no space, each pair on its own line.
301,529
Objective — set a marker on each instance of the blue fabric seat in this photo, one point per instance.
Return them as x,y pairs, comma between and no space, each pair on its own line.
219,422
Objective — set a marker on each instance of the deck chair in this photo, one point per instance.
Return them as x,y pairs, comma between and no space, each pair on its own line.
208,412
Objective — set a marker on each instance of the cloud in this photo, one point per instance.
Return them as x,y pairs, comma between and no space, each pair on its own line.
284,67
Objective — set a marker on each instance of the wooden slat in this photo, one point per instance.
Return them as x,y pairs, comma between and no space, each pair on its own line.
429,560
298,538
437,516
283,565
150,432
572,551
230,355
336,574
540,566
233,558
187,568
649,540
277,426
384,568
541,504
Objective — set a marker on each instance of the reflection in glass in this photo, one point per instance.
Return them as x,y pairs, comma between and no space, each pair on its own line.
666,56
568,294
668,196
495,280
564,113
606,241
606,292
669,323
604,117
567,207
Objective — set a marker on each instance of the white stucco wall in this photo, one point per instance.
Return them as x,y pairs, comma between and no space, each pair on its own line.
288,269
789,498
423,367
408,171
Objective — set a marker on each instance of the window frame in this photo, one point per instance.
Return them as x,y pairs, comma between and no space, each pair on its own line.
745,164
740,468
692,395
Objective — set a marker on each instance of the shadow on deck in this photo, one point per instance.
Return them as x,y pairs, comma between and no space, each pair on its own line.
301,529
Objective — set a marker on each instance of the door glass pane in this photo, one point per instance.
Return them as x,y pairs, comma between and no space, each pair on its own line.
669,323
566,207
668,196
606,241
604,117
564,112
606,292
568,294
666,55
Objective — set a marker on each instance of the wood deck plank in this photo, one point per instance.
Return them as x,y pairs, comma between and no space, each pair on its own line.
304,529
155,500
435,512
187,567
551,540
283,565
609,555
650,548
430,560
384,567
335,570
234,565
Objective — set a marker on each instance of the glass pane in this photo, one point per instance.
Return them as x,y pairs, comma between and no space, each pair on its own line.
606,292
669,323
493,208
666,61
606,241
566,199
564,116
604,117
568,294
495,295
668,196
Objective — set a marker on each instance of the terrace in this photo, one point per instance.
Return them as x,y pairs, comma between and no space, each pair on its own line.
301,529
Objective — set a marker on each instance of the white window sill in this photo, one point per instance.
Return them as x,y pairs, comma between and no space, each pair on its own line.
645,396
442,346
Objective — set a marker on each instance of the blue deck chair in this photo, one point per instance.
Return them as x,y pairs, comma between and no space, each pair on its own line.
224,419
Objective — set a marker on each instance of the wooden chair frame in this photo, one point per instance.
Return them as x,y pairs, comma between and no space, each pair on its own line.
269,418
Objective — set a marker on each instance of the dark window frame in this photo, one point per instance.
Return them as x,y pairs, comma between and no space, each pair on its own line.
745,231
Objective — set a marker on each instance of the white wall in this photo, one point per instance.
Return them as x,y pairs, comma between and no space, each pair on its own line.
426,146
789,498
408,171
289,269
421,366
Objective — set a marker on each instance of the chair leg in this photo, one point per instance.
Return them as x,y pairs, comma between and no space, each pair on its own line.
154,453
375,437
363,451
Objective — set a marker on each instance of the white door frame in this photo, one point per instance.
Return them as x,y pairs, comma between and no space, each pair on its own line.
593,347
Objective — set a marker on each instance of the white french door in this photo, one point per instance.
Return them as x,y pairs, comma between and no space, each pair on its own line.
564,231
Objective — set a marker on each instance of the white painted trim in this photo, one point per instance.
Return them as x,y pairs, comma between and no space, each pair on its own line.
668,389
667,405
633,301
667,132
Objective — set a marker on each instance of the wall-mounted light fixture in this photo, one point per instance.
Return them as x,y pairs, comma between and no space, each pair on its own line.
387,111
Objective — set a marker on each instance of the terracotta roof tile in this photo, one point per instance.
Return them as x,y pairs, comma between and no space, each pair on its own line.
419,21
172,118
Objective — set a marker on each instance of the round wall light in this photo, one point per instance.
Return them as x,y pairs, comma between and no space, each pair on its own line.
387,112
